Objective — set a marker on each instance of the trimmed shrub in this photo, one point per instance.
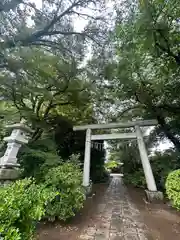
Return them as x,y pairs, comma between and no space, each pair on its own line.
22,205
173,188
65,179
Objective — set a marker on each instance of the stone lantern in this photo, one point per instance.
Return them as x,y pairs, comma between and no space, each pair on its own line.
8,163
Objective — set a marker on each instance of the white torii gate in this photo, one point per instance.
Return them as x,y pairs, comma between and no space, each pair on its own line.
151,185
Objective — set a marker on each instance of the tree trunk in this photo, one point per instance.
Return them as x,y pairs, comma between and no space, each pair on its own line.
167,131
37,134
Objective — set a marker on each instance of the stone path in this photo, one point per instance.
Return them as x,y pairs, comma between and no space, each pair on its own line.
117,217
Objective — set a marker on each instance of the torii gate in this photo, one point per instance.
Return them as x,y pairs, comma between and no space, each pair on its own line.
151,185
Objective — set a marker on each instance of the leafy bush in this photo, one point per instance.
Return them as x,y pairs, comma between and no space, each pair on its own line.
111,164
136,178
173,188
65,179
36,162
22,205
162,164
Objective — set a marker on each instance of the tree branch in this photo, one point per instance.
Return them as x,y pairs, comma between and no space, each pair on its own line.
6,7
47,110
128,109
36,39
86,15
169,52
39,106
60,104
63,90
43,32
3,65
171,108
84,34
50,44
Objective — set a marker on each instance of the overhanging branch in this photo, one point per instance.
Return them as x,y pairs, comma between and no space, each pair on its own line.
6,7
129,109
54,21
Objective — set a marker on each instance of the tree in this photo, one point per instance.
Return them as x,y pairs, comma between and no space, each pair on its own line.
41,55
44,85
143,77
23,25
44,78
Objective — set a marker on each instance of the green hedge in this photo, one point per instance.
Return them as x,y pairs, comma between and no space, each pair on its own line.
173,188
22,205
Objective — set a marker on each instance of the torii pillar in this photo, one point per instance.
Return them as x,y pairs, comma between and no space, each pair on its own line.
87,156
151,193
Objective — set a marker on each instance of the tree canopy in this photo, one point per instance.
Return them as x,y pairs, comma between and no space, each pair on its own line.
141,79
51,26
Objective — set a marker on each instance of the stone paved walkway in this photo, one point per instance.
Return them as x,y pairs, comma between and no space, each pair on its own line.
117,217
